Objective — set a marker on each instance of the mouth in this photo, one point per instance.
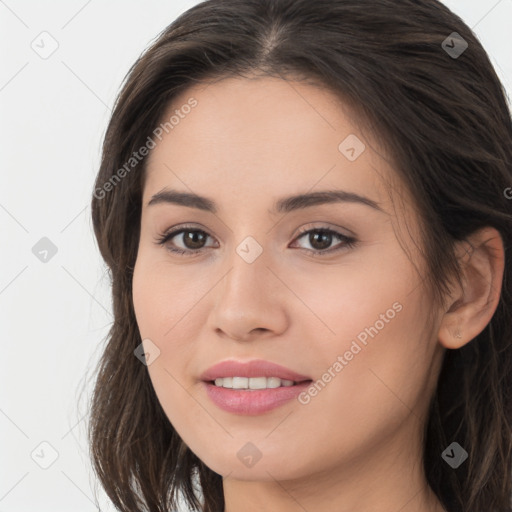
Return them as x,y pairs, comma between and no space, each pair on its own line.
251,388
254,383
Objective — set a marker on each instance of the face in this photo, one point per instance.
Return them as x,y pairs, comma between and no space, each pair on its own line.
328,290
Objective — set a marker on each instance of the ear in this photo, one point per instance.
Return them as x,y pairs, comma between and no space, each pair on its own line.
470,308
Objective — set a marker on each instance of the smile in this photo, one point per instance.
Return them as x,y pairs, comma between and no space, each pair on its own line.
251,383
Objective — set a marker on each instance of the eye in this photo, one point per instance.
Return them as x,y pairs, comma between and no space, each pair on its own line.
322,238
192,240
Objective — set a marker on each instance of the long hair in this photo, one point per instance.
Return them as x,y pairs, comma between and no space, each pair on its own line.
442,115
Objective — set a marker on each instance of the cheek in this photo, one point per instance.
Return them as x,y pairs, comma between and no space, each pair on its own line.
164,308
374,374
169,304
164,296
373,318
340,302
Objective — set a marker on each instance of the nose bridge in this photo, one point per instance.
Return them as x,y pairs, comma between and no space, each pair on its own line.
246,299
248,270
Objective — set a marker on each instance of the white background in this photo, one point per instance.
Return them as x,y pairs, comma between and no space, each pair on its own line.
55,315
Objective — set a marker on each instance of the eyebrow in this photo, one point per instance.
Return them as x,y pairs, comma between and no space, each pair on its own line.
283,205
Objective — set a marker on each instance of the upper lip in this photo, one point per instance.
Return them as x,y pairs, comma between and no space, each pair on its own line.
254,368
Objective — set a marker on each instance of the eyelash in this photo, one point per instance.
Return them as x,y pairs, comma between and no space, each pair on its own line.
348,242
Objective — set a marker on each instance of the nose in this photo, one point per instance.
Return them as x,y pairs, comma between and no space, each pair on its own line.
249,303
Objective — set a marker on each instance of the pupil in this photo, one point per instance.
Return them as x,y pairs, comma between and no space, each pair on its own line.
327,239
192,238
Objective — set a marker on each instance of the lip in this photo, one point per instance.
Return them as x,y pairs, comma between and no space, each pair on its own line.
252,402
254,368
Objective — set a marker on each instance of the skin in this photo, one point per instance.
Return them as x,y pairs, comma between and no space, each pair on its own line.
357,444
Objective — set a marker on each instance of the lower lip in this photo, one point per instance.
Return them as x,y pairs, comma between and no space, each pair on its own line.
252,402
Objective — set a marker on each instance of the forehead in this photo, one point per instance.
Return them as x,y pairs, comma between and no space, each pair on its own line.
265,137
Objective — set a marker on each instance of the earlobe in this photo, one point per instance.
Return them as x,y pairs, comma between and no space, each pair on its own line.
471,307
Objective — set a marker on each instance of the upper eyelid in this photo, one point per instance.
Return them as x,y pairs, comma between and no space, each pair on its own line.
335,232
179,229
308,226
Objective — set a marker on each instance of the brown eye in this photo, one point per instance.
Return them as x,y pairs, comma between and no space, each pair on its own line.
184,240
320,239
194,239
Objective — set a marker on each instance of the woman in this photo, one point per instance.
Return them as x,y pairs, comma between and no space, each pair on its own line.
304,210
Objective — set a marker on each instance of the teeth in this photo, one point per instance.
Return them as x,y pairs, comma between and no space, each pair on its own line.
273,382
257,383
240,382
228,382
252,382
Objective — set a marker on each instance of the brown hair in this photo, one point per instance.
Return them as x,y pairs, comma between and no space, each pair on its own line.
446,124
